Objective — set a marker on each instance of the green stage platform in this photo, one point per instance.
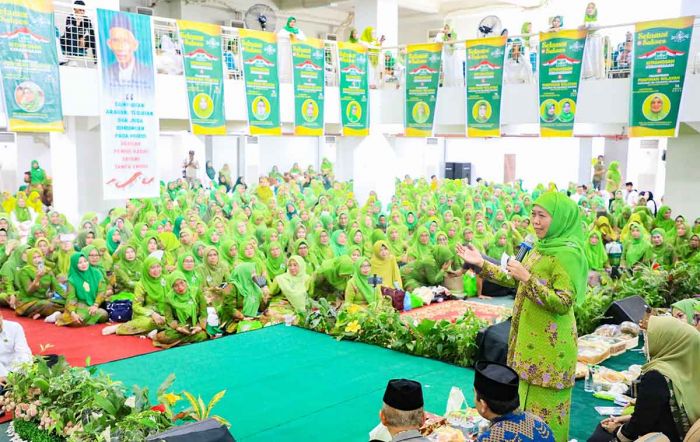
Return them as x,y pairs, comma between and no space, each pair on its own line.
290,384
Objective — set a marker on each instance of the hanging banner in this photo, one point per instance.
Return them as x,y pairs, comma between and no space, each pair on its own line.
660,58
204,75
422,81
484,84
309,82
354,89
29,66
561,54
261,81
128,121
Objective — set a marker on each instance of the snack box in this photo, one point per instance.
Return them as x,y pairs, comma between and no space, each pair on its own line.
615,345
432,421
592,354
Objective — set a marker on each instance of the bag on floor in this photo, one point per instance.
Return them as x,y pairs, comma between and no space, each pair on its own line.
120,311
470,287
396,297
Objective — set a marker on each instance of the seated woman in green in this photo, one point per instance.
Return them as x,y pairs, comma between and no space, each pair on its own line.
127,271
149,301
303,249
358,290
662,252
385,266
637,249
275,262
595,252
499,245
185,312
85,294
8,272
421,246
331,277
246,294
213,276
429,270
37,285
293,286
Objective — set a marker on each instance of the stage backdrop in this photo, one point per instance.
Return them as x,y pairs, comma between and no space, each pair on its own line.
422,81
309,83
484,84
128,121
561,54
354,89
204,75
660,59
29,66
262,87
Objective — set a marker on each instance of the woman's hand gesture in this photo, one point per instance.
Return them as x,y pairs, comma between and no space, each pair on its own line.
470,255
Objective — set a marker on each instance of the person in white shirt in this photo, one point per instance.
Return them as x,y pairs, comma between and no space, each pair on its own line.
631,195
14,349
580,193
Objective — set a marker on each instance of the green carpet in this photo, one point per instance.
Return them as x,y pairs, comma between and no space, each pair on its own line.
289,384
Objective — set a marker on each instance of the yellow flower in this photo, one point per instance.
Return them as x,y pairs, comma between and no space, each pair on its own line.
353,327
354,308
171,398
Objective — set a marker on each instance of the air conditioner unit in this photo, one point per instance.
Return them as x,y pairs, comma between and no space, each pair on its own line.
330,140
235,23
251,140
431,141
142,10
332,37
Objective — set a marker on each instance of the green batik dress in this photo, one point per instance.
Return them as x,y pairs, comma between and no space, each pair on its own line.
542,346
196,316
40,301
73,304
143,306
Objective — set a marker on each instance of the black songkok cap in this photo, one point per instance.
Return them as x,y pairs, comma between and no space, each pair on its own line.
403,394
496,381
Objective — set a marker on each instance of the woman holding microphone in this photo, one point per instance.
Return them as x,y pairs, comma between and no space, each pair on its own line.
542,344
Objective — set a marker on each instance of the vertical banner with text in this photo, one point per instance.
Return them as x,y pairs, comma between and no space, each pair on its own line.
561,54
660,58
262,86
204,75
422,81
29,66
128,121
309,83
354,89
484,85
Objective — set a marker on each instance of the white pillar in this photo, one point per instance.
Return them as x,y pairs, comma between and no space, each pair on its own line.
682,158
382,15
616,150
249,157
585,155
64,159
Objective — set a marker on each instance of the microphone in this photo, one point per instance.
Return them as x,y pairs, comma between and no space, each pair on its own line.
525,247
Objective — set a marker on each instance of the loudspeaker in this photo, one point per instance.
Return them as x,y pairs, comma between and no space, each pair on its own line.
492,343
204,431
449,171
628,309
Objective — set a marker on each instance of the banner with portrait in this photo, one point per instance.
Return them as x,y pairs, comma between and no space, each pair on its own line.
259,50
29,66
128,120
354,89
561,55
202,58
485,59
308,58
422,81
658,71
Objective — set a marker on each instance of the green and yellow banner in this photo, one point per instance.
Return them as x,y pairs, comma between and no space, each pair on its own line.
484,85
354,89
422,81
561,55
29,66
262,87
660,58
204,74
309,83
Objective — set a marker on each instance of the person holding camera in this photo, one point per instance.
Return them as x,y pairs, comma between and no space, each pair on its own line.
37,284
363,288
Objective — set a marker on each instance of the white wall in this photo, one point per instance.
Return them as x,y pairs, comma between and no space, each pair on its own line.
283,152
32,147
683,179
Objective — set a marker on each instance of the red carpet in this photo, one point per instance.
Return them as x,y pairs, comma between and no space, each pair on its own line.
452,310
77,344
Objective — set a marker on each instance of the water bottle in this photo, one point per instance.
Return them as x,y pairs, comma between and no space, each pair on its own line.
407,302
588,383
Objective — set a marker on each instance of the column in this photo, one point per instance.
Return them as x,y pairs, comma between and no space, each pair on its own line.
585,156
682,179
617,150
64,159
382,15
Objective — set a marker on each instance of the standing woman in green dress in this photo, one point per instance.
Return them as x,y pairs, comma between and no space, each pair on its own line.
542,343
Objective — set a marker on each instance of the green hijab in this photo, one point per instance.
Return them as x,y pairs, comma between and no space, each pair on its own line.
242,278
687,306
661,222
338,249
191,275
636,248
289,28
564,239
111,245
155,288
595,254
37,173
131,267
674,351
294,287
274,266
418,250
362,282
183,305
337,270
85,283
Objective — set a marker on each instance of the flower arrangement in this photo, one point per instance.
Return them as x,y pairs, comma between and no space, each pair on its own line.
60,402
383,326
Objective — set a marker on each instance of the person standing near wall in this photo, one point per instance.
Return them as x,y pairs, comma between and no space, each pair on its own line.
599,171
190,167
